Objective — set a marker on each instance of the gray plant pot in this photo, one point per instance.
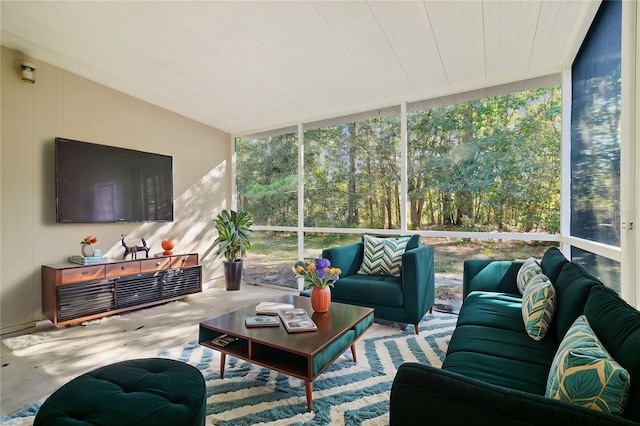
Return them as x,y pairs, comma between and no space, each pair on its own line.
233,275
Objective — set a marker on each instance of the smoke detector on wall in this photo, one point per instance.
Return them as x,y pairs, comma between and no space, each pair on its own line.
27,71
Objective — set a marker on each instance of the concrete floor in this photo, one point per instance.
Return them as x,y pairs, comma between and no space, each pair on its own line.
34,365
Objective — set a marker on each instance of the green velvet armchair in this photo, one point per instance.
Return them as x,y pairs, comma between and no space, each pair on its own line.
405,299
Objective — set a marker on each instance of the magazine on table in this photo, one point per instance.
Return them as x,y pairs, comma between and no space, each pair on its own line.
296,320
223,340
262,321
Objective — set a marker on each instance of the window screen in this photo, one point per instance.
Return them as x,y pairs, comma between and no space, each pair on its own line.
595,130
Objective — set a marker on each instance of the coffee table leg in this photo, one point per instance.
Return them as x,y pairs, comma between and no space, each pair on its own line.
353,352
223,359
309,389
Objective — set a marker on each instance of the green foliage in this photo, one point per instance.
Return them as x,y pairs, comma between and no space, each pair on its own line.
234,234
490,162
267,179
485,165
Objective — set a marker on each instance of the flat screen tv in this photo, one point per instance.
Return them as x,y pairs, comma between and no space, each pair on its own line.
105,184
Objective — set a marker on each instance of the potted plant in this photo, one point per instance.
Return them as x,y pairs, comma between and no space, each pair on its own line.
234,240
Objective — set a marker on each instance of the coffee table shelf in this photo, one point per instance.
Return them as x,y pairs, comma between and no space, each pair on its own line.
302,355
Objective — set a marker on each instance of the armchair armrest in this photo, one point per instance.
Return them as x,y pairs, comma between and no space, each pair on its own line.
418,282
490,275
347,257
420,392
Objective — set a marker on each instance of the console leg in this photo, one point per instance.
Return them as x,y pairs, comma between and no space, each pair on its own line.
353,352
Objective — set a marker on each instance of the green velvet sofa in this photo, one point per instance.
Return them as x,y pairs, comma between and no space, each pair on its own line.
405,299
494,373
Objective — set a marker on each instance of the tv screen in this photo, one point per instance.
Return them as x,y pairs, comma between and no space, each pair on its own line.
103,184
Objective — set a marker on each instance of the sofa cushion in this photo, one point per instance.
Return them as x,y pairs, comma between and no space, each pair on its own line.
617,325
490,275
572,289
552,262
383,256
529,269
500,356
368,290
538,305
489,343
583,372
491,309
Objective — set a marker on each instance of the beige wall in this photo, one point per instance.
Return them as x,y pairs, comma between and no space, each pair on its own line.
63,104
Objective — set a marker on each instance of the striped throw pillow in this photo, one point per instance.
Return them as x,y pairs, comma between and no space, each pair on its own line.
383,256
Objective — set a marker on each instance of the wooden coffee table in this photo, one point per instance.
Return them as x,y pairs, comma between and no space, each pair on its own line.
304,354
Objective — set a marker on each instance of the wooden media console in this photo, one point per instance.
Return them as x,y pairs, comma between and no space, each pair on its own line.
74,293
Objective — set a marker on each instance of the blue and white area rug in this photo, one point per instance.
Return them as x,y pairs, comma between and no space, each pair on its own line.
347,393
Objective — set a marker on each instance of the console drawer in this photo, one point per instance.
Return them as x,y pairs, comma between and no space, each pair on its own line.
179,262
123,269
153,265
86,273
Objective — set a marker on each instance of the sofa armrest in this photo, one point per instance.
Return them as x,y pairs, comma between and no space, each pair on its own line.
347,257
421,392
490,275
418,282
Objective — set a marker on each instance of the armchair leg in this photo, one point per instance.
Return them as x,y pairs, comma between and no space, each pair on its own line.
431,309
417,328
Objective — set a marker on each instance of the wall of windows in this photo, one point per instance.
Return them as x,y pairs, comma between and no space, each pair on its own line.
485,167
496,164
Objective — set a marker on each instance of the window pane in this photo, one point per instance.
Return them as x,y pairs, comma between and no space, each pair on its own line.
352,174
267,179
595,131
487,165
315,242
271,258
607,270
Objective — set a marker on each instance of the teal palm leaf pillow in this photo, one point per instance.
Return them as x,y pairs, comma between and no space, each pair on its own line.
529,269
538,305
383,256
583,372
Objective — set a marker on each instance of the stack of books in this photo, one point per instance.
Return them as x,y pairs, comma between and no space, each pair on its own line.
271,308
94,260
262,321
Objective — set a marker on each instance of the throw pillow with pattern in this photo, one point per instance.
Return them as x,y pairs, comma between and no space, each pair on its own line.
529,269
583,372
538,304
383,256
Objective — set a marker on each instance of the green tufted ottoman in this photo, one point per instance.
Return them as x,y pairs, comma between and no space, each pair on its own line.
151,391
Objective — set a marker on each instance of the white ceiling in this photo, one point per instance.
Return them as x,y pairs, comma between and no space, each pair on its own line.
245,66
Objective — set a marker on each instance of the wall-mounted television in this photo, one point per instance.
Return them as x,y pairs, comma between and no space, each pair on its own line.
105,184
